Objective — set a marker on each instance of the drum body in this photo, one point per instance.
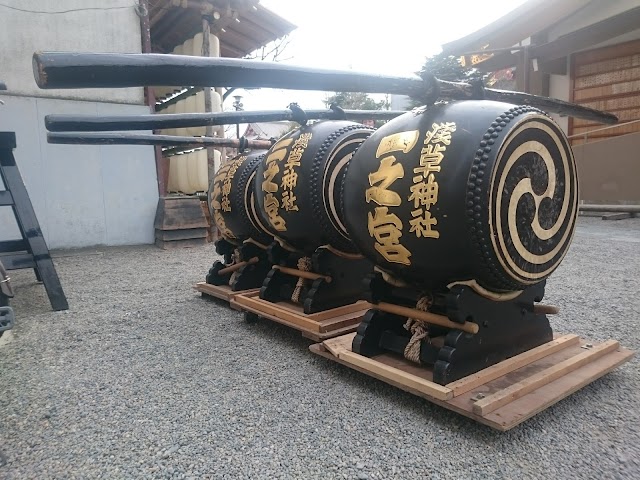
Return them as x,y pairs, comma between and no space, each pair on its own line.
299,182
464,191
232,201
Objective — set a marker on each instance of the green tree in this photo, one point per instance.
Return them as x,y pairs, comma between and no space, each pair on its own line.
356,101
447,67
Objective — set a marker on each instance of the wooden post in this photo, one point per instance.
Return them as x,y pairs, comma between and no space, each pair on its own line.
162,163
208,108
539,78
223,150
31,251
527,69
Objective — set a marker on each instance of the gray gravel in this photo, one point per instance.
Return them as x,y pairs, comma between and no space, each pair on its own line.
143,378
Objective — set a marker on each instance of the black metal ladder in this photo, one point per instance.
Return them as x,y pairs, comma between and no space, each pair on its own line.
31,251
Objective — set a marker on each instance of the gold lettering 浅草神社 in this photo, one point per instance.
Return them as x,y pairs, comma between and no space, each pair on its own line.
226,183
290,177
424,191
217,205
383,226
269,187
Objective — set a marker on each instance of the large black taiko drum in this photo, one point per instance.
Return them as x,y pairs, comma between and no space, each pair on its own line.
298,185
470,190
232,202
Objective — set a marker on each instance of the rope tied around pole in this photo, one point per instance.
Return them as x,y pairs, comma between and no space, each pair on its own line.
243,144
418,329
431,89
304,264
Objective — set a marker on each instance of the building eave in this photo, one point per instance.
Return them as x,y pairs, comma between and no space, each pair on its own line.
524,21
253,27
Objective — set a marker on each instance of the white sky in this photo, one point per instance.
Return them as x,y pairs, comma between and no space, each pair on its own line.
391,37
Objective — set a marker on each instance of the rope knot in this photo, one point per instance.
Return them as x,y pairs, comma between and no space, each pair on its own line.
419,330
304,264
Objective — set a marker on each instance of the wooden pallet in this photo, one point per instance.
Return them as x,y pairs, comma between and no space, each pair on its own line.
500,396
223,292
316,326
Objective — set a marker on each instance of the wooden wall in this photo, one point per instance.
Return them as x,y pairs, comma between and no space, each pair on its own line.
608,79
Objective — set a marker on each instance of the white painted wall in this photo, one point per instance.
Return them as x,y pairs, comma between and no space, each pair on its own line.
112,27
83,195
559,87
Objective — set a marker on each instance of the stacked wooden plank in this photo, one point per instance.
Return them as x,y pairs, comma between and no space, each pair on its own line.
180,222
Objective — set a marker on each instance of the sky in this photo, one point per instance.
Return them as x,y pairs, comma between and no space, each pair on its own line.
387,37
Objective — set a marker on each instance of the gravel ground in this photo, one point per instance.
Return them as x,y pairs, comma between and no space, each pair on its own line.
143,378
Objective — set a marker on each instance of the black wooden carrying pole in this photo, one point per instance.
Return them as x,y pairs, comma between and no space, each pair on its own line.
112,70
31,251
88,123
73,138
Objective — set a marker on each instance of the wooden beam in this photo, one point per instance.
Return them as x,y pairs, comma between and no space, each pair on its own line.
498,370
590,35
523,21
156,14
544,377
428,317
302,273
119,138
13,246
390,373
608,53
269,32
557,66
115,70
498,62
617,216
93,123
340,344
226,50
168,25
238,39
5,198
570,43
18,261
269,21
